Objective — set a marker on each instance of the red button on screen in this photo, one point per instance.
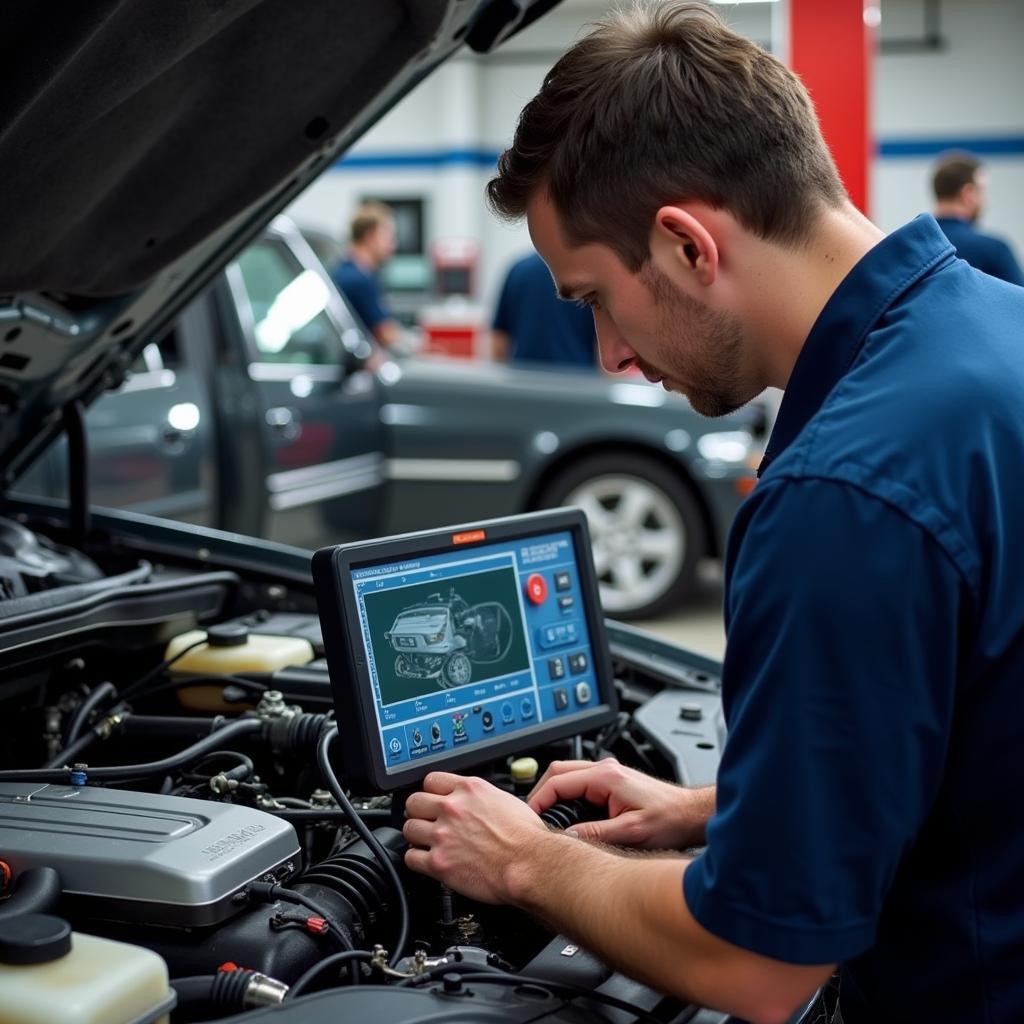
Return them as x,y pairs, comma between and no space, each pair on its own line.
536,588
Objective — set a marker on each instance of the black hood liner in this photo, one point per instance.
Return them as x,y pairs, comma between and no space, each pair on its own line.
131,129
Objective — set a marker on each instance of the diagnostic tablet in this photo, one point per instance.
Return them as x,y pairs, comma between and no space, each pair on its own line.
452,647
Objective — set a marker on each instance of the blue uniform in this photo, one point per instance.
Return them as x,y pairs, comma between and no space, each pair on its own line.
869,797
362,289
541,327
986,252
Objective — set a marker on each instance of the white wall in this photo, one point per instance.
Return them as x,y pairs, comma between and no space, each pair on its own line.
974,87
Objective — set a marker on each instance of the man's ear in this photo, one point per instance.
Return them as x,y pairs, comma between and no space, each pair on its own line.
682,237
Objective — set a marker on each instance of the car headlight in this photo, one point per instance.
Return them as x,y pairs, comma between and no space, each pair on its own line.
732,446
435,639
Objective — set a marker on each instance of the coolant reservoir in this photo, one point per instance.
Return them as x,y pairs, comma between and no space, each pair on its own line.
49,973
231,649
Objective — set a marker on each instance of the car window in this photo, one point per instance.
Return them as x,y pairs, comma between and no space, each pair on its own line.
288,302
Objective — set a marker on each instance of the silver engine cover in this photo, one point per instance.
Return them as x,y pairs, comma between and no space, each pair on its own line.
143,857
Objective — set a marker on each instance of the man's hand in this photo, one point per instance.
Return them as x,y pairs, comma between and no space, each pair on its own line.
642,811
468,834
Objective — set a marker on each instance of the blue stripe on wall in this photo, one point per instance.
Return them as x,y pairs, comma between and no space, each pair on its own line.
888,149
429,158
982,145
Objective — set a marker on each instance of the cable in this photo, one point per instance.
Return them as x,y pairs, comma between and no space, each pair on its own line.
272,891
142,681
559,989
357,825
131,772
81,716
306,979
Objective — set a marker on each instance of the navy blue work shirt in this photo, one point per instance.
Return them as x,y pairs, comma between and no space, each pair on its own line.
869,803
541,327
362,289
986,252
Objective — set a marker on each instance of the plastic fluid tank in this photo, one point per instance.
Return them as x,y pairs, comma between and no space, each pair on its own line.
232,649
49,973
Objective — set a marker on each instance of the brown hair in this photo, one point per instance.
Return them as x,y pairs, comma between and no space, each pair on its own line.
952,172
367,218
663,103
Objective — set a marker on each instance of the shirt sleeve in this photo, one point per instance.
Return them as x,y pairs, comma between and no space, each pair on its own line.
838,688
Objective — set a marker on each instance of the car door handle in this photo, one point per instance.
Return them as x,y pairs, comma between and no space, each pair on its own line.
284,421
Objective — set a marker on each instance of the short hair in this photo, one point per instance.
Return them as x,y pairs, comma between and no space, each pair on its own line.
952,172
368,217
663,103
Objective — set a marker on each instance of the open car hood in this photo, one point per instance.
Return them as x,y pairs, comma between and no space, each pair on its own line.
143,144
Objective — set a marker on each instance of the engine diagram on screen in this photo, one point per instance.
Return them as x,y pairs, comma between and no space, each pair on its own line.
443,638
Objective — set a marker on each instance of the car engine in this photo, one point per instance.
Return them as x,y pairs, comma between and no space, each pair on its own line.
182,805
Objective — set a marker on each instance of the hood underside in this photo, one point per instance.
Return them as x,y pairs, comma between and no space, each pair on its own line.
143,143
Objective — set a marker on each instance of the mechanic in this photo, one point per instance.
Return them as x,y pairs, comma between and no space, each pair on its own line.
960,185
532,326
866,812
372,234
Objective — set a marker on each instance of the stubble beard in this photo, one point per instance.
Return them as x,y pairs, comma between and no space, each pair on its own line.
708,374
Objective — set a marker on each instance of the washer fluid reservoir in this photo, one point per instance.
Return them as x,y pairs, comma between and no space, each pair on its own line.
231,649
49,973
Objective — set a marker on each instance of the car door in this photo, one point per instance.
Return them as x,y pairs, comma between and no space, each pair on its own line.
325,477
150,441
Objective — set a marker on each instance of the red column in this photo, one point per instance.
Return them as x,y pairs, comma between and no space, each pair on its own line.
831,47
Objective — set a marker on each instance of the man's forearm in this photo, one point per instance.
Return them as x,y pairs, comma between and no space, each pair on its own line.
630,911
702,808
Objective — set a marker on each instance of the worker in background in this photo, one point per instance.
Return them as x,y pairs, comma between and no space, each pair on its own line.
371,245
867,810
961,186
533,325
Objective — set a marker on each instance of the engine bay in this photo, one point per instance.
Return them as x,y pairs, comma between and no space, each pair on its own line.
171,778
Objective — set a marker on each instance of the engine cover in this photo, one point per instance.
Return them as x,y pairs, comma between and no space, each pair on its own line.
126,856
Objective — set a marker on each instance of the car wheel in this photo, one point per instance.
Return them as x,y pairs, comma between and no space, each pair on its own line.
457,670
647,530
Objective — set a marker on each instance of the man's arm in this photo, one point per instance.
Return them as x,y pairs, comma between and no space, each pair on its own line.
628,910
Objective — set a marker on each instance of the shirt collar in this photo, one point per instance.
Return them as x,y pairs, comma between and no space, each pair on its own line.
878,279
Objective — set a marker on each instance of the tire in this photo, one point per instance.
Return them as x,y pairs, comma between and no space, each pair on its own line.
646,527
457,670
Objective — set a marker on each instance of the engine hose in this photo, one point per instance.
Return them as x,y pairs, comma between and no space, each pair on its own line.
567,813
310,976
71,754
191,727
36,891
296,734
129,772
327,770
229,991
81,716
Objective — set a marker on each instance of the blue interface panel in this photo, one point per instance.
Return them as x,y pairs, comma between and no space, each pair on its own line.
468,647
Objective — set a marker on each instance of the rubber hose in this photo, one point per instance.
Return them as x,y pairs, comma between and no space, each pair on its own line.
36,892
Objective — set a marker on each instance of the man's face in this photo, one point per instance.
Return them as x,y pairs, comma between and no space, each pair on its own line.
645,320
383,241
975,194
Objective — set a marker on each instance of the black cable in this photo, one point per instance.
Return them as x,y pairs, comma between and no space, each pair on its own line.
242,760
357,825
306,979
203,679
131,772
81,716
148,677
69,755
559,989
273,891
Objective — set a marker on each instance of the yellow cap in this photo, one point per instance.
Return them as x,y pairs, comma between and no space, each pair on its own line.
524,769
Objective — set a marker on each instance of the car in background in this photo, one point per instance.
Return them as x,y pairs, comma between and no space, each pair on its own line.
258,413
